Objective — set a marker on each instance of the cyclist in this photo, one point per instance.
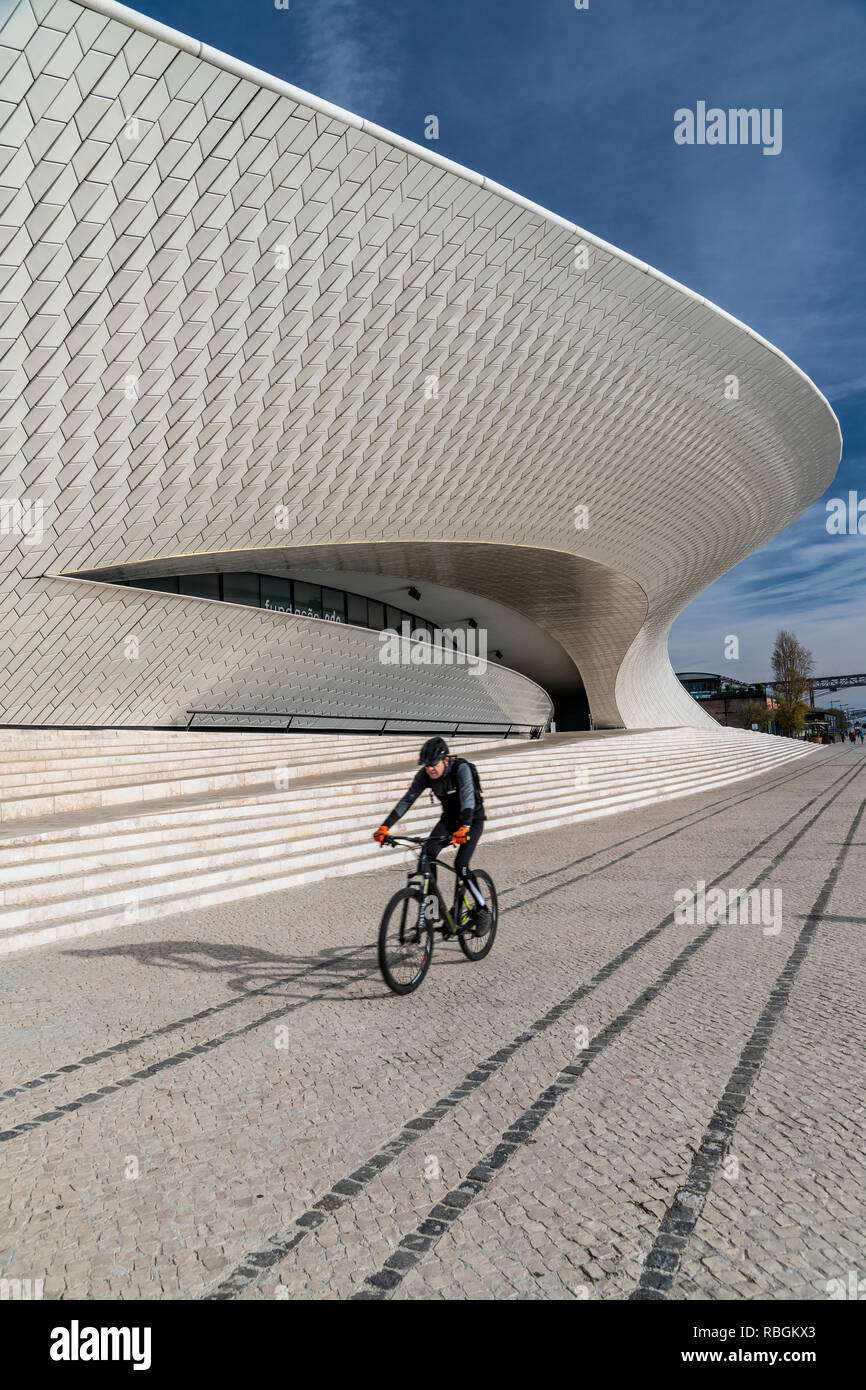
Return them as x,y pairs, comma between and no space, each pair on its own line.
456,785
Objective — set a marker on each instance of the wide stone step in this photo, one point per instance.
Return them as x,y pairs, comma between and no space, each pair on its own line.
205,884
175,854
114,772
134,908
107,791
278,748
64,774
282,807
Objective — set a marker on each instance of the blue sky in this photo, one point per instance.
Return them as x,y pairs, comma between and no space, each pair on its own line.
574,109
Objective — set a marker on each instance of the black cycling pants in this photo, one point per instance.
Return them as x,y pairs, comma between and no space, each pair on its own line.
440,836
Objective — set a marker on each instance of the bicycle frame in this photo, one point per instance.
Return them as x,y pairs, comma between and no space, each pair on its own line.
427,884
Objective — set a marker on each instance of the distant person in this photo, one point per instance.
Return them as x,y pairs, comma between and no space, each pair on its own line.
852,735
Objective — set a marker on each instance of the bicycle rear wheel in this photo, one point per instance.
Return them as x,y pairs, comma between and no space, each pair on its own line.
473,944
405,942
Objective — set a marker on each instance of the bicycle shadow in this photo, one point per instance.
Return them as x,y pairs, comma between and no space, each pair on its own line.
247,969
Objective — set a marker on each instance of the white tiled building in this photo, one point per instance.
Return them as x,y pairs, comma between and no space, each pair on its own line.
242,331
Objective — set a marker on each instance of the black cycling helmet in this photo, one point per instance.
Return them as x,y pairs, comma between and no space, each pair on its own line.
434,750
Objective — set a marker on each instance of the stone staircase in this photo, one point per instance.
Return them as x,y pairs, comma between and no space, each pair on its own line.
114,828
52,772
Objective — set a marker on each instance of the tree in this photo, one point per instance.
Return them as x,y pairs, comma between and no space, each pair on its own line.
754,714
841,718
790,717
792,667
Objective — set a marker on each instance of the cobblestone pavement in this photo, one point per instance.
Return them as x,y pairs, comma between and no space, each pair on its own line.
612,1105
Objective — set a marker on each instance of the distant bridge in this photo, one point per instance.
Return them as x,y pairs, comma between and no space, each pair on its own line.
829,683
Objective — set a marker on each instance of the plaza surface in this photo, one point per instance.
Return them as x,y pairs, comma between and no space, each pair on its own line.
612,1105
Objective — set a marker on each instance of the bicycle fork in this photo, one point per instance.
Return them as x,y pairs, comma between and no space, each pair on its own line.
427,907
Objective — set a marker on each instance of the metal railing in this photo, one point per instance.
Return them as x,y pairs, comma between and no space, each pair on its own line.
435,726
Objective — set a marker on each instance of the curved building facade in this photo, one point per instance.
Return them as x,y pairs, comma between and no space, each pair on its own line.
244,332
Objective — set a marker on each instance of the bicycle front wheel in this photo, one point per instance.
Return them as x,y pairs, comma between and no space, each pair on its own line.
475,941
405,942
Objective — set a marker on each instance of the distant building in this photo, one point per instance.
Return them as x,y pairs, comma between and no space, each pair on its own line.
826,724
725,700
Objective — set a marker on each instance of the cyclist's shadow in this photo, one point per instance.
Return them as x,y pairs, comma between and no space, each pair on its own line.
255,970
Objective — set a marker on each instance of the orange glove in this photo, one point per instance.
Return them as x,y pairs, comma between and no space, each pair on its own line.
460,836
379,835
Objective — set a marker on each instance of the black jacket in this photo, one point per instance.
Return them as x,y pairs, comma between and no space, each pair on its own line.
457,790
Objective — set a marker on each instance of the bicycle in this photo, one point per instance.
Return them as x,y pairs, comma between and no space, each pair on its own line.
418,911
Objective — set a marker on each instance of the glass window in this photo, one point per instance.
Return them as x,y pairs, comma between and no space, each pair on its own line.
333,605
394,617
200,585
375,614
415,623
276,593
308,599
239,587
165,585
356,609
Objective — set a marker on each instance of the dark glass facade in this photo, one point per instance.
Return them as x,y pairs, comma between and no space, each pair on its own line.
287,596
706,685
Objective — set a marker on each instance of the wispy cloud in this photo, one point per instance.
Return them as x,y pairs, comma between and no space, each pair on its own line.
352,52
806,580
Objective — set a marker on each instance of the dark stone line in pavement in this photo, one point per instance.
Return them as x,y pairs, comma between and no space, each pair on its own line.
688,1203
484,1171
682,1211
177,1024
147,1072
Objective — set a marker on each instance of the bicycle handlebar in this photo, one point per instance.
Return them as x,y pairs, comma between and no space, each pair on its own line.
398,840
